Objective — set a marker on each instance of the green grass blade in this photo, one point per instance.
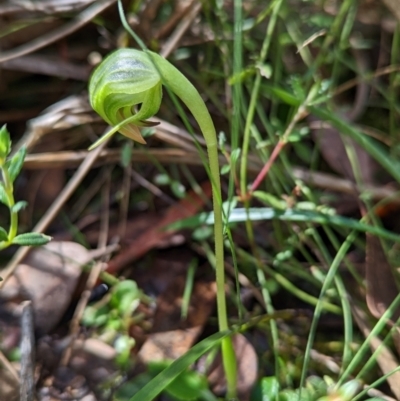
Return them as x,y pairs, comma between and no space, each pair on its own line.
162,380
259,214
375,149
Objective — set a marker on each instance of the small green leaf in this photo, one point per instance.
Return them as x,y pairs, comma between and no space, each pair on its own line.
222,140
31,239
178,189
19,206
5,144
235,155
186,387
3,195
162,179
202,233
15,163
285,96
125,296
96,316
225,169
128,389
269,388
348,390
297,86
241,76
3,234
270,200
123,345
126,154
265,70
294,137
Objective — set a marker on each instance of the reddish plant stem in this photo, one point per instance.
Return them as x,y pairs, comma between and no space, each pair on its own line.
261,175
301,112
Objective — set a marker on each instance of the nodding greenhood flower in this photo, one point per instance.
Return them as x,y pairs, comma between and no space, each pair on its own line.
126,90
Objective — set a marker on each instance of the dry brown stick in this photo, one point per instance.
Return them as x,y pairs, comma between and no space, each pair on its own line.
173,40
333,183
42,225
355,81
39,64
42,7
6,363
124,201
93,275
27,389
71,159
394,7
321,180
181,9
80,308
80,20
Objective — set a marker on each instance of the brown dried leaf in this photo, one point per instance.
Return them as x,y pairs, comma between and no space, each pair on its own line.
172,336
381,285
386,360
331,145
394,7
157,234
247,369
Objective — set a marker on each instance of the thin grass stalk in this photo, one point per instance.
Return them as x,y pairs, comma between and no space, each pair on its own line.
318,309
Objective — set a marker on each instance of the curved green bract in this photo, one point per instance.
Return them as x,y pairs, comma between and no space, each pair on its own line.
127,79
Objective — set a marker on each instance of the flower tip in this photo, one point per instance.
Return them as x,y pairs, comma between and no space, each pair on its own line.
133,132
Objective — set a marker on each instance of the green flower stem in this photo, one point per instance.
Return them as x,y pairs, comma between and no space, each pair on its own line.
177,83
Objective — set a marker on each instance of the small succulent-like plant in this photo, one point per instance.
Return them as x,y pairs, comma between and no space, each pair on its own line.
10,168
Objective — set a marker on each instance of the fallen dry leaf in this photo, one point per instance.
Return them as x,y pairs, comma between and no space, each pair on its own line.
332,146
394,7
247,368
381,284
386,360
156,234
172,336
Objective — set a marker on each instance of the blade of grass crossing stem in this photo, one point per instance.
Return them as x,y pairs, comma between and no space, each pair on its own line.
163,379
375,384
395,59
334,32
348,333
254,96
127,26
187,293
318,309
346,310
359,356
366,368
237,90
289,286
348,323
237,112
373,148
239,215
